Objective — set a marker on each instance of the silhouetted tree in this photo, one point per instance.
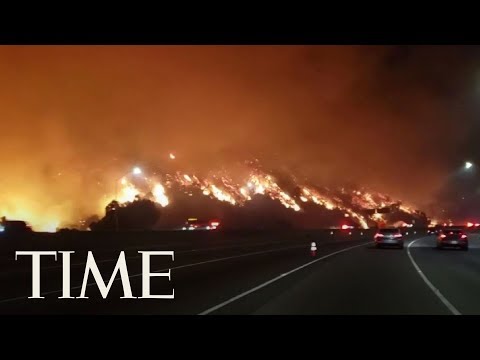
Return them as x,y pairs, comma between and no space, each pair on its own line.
140,214
112,206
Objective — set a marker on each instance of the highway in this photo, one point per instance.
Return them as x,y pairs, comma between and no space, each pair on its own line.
261,275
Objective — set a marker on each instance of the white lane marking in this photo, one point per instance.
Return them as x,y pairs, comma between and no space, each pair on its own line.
235,298
472,238
437,292
176,252
172,268
471,245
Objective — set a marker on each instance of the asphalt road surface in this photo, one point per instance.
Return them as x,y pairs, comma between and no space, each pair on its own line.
262,276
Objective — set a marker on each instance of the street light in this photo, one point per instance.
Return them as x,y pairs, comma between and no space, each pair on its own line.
135,171
468,165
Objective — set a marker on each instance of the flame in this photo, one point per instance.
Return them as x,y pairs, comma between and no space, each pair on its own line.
370,200
260,189
43,222
221,195
159,195
377,217
406,209
313,195
245,194
375,200
128,193
33,212
221,186
331,204
361,220
265,185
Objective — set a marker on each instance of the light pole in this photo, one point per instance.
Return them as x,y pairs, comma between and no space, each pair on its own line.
135,171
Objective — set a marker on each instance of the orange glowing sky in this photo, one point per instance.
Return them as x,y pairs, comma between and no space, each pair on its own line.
75,118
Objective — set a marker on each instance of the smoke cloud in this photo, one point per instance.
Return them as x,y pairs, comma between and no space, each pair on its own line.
76,118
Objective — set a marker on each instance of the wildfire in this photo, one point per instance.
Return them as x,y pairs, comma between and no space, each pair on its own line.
313,195
222,195
361,220
265,185
245,194
159,195
39,218
237,192
332,204
377,217
128,192
370,200
406,209
375,200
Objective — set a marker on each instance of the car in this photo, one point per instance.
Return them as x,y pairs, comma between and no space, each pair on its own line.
452,238
14,227
435,230
388,237
195,224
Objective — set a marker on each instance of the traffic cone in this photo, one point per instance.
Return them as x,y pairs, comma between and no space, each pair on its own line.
313,249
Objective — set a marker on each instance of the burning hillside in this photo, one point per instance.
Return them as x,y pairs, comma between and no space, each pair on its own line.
257,197
242,194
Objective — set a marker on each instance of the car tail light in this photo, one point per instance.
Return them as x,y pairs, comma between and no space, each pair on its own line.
443,236
397,235
378,235
464,236
214,223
